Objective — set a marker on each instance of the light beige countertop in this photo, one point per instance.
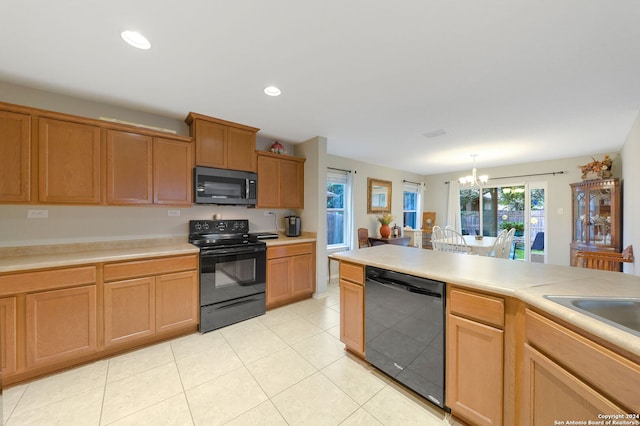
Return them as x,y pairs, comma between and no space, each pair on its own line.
20,259
526,281
305,237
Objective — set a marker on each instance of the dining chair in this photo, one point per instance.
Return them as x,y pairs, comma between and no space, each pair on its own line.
504,251
436,234
363,238
452,241
498,245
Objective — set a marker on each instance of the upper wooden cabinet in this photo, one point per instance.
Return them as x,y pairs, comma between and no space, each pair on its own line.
596,216
223,144
15,157
49,157
69,162
280,181
145,170
172,172
129,168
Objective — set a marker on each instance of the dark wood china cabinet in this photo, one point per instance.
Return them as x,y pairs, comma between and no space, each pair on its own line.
596,215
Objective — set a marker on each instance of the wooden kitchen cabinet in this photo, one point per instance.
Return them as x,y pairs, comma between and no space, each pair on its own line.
129,168
281,181
177,300
148,297
15,157
8,334
61,325
352,321
475,356
129,310
569,376
172,172
223,144
143,170
69,162
291,273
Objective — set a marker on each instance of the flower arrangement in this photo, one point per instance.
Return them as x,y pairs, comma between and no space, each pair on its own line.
597,169
385,218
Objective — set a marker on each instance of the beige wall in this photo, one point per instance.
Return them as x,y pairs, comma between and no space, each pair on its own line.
361,171
315,210
631,194
557,196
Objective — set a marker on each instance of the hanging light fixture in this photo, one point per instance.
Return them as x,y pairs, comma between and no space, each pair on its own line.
473,180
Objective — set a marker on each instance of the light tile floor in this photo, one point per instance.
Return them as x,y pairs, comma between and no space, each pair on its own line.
287,367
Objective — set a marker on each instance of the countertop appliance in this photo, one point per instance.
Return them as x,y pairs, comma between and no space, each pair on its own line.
405,330
221,186
292,226
233,269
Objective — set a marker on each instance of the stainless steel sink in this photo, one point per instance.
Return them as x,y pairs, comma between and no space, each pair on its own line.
622,313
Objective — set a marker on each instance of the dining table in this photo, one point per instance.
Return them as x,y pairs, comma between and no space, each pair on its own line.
482,247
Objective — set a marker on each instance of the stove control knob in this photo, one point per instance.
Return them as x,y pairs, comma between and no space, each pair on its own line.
205,226
197,226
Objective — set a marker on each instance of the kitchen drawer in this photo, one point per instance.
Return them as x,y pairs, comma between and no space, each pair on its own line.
275,252
352,272
29,282
610,373
479,307
140,268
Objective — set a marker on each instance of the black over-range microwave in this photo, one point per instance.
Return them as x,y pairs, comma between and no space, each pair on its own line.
222,186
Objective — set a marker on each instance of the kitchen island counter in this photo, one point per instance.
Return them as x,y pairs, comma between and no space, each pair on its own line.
529,282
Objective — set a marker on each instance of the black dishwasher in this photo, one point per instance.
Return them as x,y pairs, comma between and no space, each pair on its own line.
404,334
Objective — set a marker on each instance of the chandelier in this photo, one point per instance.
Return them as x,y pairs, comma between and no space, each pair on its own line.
473,180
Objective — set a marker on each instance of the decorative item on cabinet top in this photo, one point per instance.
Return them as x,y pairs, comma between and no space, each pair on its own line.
277,148
597,169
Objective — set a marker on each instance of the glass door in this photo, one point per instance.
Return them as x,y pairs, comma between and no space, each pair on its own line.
537,252
519,206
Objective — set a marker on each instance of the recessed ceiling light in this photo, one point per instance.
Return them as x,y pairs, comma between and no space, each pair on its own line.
136,39
272,91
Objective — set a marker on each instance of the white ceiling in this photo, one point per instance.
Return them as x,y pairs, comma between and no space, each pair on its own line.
512,81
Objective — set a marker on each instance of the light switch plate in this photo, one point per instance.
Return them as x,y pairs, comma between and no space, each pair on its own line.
173,212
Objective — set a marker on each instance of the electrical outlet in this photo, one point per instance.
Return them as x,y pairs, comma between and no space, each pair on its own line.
173,212
37,214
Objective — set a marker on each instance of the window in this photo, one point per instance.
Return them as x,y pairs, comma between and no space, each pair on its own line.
411,205
339,216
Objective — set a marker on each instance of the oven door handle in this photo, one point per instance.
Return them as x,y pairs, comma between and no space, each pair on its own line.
235,250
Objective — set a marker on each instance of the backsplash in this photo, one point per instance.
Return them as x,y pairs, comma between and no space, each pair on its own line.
75,224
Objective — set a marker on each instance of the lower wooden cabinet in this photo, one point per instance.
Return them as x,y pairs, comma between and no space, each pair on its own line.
352,321
474,354
568,376
56,318
552,393
352,316
8,335
129,310
61,325
177,301
154,303
291,273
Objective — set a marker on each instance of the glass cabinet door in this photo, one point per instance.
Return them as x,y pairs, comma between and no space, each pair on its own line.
600,211
580,217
